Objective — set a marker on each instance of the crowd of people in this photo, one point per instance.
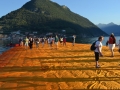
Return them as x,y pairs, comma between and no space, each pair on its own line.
29,41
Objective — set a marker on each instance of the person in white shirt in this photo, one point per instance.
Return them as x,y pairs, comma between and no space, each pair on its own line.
26,42
51,41
73,40
98,50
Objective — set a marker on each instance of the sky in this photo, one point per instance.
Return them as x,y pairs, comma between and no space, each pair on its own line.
97,11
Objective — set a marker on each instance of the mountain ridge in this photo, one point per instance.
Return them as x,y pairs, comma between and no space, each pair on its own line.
110,28
47,16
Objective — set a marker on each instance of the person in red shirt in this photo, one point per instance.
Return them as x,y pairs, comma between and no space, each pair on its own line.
64,41
112,43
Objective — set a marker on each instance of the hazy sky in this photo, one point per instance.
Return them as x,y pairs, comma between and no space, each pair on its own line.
97,11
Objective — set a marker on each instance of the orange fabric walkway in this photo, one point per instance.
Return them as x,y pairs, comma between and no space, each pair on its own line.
68,68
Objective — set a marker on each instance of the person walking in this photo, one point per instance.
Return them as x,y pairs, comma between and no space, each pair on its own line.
73,40
64,41
42,41
20,41
112,43
56,41
98,50
61,40
48,41
26,42
51,41
30,42
37,42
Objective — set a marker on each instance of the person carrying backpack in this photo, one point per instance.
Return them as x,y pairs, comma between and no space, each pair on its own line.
98,50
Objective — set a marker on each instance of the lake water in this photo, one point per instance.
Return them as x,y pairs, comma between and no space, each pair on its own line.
3,47
105,40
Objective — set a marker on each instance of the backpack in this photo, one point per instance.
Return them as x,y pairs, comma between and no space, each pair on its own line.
92,48
107,43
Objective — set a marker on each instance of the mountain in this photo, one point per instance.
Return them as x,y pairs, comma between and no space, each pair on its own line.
46,16
110,28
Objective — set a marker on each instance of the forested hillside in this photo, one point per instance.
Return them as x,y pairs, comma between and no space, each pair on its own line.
46,16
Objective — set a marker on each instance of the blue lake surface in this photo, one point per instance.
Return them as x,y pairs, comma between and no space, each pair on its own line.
2,47
105,40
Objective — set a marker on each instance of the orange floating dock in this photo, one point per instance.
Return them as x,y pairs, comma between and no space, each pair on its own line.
67,68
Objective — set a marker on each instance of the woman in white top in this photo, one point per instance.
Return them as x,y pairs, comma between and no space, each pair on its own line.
98,50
